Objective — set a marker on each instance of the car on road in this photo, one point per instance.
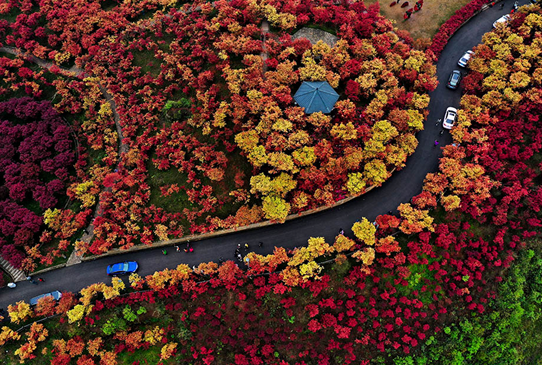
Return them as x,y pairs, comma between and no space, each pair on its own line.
502,19
449,118
122,268
454,79
56,295
465,58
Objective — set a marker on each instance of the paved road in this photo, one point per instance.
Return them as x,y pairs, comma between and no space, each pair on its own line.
398,189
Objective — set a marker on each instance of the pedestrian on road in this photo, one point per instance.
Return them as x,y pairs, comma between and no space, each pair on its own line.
260,244
177,248
164,251
34,282
191,249
41,280
238,245
341,231
502,6
436,143
239,257
220,260
246,246
29,278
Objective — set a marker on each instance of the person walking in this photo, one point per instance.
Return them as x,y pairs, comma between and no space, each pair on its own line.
260,244
502,5
177,248
341,231
34,282
164,251
246,246
41,280
436,143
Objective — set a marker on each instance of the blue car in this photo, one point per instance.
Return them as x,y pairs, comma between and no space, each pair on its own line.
56,295
122,268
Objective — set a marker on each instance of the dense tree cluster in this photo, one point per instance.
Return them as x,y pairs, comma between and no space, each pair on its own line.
188,106
36,155
423,280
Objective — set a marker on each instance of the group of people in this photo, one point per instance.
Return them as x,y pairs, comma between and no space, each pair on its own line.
238,255
187,249
28,278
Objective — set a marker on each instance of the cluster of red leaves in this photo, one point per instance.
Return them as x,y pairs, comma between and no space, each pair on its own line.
36,153
196,70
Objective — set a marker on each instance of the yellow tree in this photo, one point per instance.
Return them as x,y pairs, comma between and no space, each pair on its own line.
365,255
365,231
168,350
375,172
7,334
275,208
450,202
355,183
136,281
21,311
343,243
414,220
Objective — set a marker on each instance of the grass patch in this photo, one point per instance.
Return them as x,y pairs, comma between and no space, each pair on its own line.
147,61
150,356
425,23
157,178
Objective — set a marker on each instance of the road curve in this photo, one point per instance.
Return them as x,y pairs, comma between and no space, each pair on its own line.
398,189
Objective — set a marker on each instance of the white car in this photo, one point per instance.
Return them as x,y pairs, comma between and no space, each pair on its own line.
466,57
449,118
502,19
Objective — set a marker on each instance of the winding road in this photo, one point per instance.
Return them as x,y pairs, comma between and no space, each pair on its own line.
398,189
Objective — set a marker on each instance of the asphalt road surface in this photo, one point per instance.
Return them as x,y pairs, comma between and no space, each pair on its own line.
398,189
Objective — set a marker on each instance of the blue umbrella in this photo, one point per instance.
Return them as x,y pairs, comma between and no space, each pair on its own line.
316,97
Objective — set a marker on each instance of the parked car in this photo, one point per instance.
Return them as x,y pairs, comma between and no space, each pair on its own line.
449,118
465,58
502,19
454,79
56,295
122,268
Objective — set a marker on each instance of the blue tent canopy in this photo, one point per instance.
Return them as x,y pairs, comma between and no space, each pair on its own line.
316,97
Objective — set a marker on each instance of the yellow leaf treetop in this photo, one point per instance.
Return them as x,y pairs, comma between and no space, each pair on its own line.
365,231
19,312
414,220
